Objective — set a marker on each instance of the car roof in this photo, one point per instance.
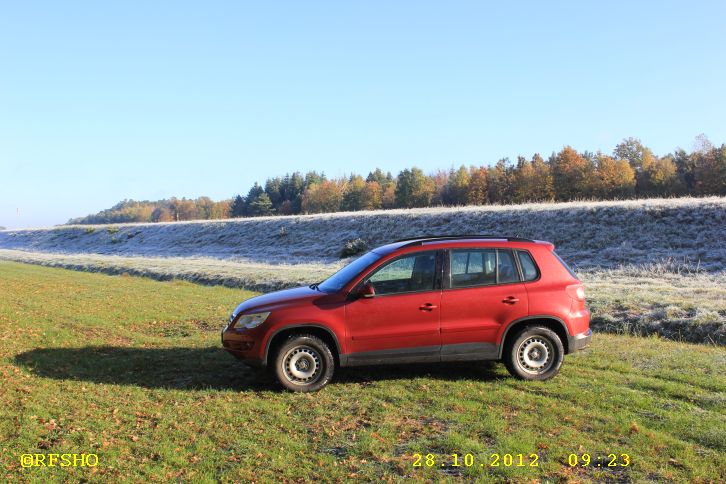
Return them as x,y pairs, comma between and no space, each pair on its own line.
452,240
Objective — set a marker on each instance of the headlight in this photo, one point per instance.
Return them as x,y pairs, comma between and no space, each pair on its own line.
250,321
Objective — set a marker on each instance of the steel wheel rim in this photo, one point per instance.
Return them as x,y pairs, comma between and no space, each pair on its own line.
535,355
302,365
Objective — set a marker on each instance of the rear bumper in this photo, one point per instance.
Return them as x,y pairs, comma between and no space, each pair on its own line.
579,341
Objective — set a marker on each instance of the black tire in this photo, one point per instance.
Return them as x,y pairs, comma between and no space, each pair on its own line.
534,353
304,363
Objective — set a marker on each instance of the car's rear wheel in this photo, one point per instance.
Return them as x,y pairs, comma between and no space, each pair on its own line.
304,363
535,353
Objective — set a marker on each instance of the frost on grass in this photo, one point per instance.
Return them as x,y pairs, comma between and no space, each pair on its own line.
587,234
243,274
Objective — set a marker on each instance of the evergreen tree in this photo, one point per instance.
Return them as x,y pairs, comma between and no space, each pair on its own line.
260,206
383,180
354,196
273,188
414,189
238,207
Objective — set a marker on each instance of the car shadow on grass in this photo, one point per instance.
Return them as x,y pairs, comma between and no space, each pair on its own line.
170,368
208,368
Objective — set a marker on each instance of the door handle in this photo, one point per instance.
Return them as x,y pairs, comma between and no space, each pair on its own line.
428,307
510,300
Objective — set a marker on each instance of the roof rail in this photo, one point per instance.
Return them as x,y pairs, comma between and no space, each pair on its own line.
428,238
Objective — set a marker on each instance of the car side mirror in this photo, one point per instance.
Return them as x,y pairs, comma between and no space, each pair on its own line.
366,290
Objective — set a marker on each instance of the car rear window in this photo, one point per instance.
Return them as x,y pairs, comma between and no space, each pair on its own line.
564,264
529,268
473,267
482,267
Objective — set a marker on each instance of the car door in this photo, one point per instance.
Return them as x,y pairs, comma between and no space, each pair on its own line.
401,322
482,292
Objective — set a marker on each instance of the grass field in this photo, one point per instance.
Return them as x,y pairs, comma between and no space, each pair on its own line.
131,369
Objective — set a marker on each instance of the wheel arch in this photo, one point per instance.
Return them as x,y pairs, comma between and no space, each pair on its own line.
322,332
552,322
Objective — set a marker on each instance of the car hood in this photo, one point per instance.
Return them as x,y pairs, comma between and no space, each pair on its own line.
277,299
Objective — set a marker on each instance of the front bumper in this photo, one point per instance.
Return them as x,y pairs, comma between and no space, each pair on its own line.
579,341
242,345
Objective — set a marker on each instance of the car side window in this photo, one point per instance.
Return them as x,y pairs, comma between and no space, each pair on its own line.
412,273
529,268
473,267
506,268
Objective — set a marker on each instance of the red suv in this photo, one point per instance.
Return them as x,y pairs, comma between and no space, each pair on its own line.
428,299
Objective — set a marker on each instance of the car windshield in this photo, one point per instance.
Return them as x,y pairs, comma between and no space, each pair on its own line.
336,282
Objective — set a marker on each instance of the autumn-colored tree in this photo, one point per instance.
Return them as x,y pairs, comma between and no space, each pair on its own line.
658,176
632,150
651,174
388,199
710,171
440,179
286,208
457,188
613,178
354,196
221,210
182,209
545,189
566,175
477,194
499,182
204,206
373,196
571,174
322,197
414,189
524,181
161,214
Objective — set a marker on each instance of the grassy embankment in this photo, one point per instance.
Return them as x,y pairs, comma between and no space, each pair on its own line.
130,368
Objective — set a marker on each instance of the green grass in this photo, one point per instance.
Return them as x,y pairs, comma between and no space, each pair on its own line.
131,369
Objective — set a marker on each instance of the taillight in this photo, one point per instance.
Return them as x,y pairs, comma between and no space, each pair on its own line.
576,291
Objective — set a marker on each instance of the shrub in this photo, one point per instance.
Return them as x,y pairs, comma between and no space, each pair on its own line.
354,247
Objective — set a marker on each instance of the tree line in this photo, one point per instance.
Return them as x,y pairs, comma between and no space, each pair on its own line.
632,170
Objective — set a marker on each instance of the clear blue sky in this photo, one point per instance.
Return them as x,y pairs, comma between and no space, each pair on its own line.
101,101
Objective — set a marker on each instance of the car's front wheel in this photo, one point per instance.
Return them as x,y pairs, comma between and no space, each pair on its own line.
535,353
304,363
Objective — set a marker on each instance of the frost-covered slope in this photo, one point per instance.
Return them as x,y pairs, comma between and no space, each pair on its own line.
585,233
